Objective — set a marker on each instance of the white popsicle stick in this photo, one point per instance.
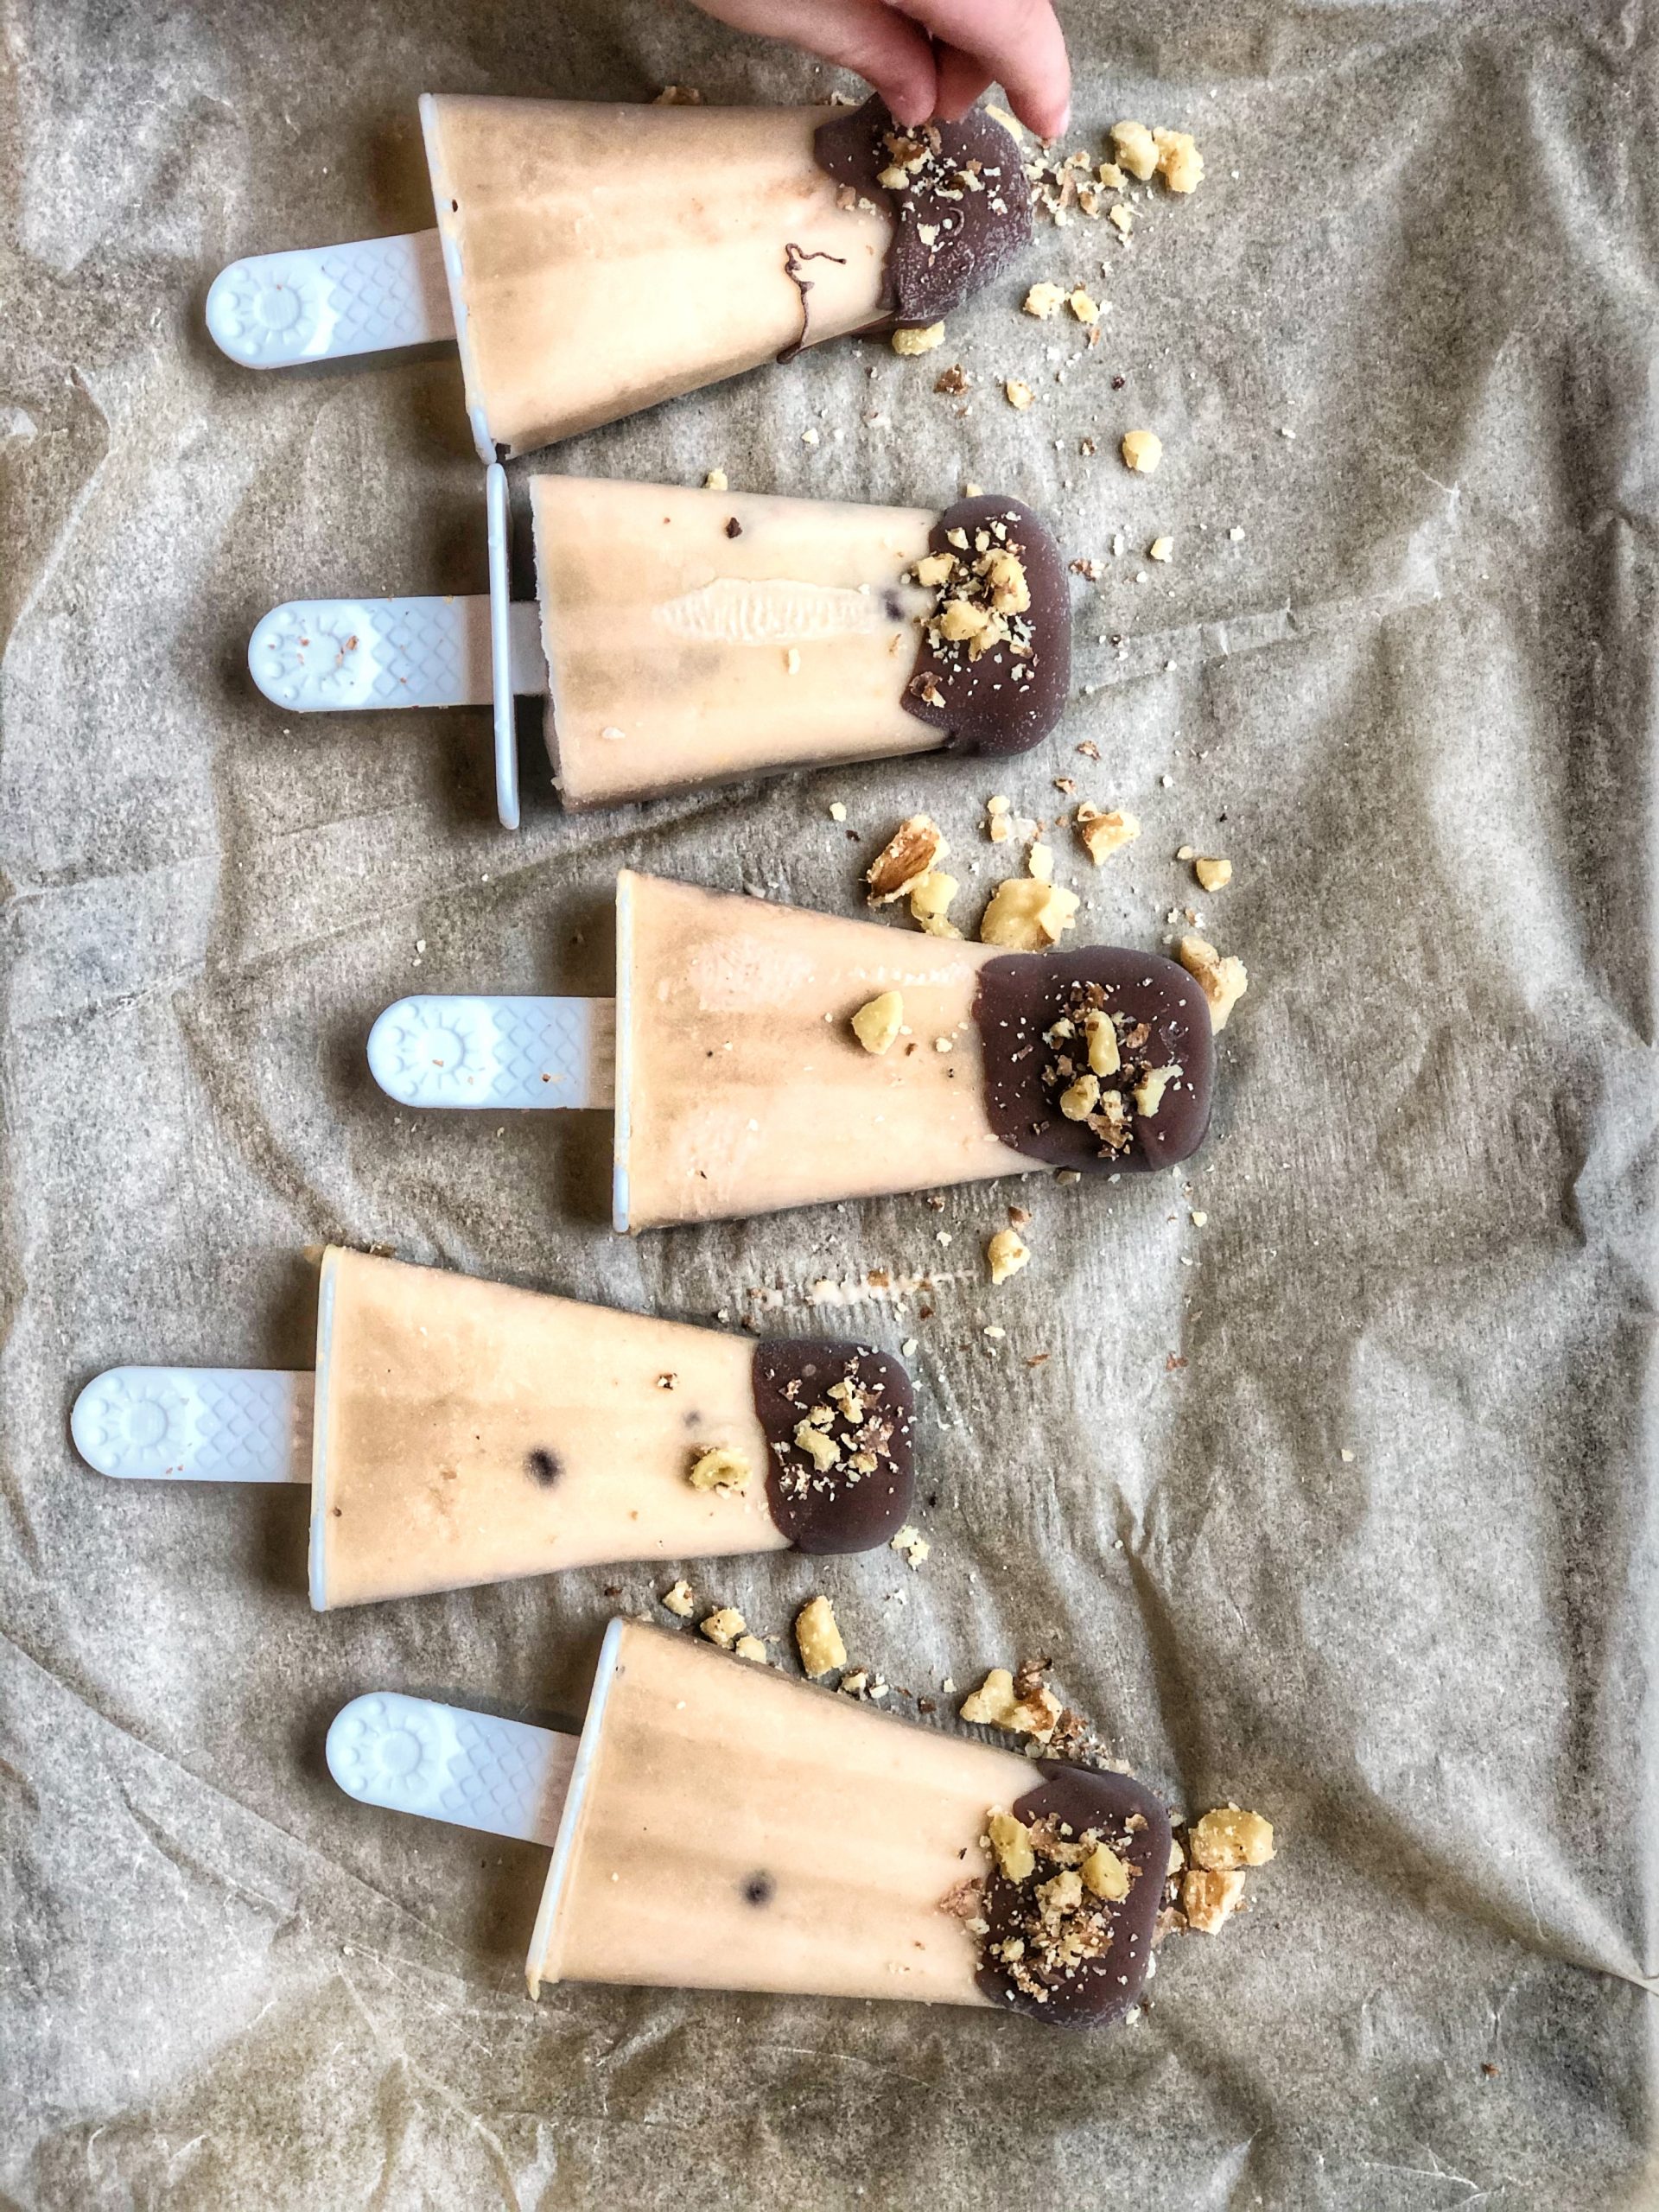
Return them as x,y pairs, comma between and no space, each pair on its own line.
511,1053
196,1424
325,656
498,523
323,303
501,1777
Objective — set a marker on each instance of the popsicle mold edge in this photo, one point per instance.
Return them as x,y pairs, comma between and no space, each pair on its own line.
571,1812
315,1574
196,1424
324,303
443,203
622,1126
499,525
443,1763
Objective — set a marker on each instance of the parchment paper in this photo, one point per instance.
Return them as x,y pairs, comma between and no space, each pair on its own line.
1377,1559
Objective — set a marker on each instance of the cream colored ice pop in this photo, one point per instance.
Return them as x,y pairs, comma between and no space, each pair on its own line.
742,1082
723,1826
462,1432
694,636
602,257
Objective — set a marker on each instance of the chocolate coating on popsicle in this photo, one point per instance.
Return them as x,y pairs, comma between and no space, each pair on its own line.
1025,1003
1006,695
962,215
848,1488
1083,1967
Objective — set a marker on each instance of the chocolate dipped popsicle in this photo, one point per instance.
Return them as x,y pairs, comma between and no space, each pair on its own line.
723,1826
741,1084
461,1432
602,257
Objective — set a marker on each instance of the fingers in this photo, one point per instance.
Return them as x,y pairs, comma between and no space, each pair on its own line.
892,53
1017,42
962,80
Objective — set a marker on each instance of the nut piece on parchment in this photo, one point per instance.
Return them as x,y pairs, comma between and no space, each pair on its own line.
912,342
1033,1711
1045,300
724,1627
750,1647
1222,980
878,1021
1134,149
1143,450
1228,1838
679,1599
1209,1900
1213,874
719,1468
1179,162
914,849
930,903
1018,393
1026,915
1006,1254
1104,833
818,1638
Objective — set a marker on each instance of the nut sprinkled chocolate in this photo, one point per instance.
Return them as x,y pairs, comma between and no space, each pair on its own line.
995,667
1102,1059
957,193
1069,1906
840,1419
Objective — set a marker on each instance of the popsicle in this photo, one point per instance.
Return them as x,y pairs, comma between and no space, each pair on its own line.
720,1826
739,1085
594,257
690,636
459,1432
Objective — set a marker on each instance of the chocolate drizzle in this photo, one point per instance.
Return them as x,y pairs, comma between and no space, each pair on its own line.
794,259
1004,690
1161,1021
1084,1968
961,212
848,1488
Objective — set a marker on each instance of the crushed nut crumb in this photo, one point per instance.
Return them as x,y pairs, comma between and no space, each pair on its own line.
1026,915
878,1021
723,1628
1143,450
679,1599
913,850
1224,981
1105,832
1006,1254
719,1468
909,343
818,1638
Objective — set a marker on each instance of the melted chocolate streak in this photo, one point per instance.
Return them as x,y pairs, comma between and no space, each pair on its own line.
794,257
1100,1990
832,1513
1021,996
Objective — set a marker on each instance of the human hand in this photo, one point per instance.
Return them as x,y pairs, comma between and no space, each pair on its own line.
929,58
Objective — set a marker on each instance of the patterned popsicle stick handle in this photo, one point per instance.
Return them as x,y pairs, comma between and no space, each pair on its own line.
408,1755
323,303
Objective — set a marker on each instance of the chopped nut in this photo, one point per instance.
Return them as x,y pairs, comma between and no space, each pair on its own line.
724,1627
719,1469
1082,306
1103,833
677,96
1135,148
915,847
1039,863
994,1705
817,1637
1213,874
837,809
1149,1091
1063,1893
1222,980
1027,916
1045,300
1104,1873
934,569
912,342
1208,1899
750,1647
1018,393
878,1022
1011,1842
1162,549
1143,450
1122,219
998,828
714,480
1079,1099
811,1435
1103,1055
1177,1859
953,382
1004,573
1179,162
1111,176
930,901
1006,1254
679,1599
1228,1838
912,1545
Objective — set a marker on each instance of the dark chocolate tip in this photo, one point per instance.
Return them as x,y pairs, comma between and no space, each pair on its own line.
859,1402
543,1467
759,1889
1162,1021
1089,1992
1010,698
968,192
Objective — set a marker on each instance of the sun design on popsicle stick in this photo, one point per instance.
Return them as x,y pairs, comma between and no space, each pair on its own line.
135,1424
434,1049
